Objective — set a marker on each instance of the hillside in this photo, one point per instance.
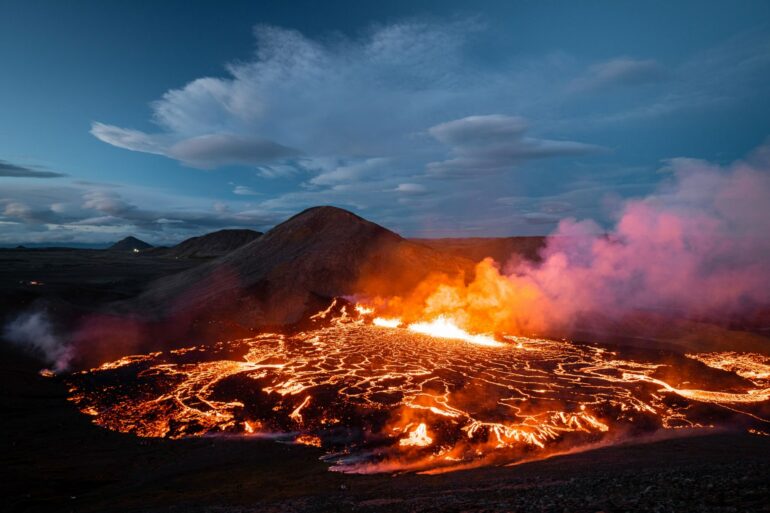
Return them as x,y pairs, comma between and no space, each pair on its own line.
320,253
501,249
213,244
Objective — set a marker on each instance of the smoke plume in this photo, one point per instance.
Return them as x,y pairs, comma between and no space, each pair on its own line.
34,331
698,248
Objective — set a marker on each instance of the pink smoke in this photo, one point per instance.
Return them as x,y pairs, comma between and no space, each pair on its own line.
699,247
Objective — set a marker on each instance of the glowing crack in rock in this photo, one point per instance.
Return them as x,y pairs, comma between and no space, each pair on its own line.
390,399
748,365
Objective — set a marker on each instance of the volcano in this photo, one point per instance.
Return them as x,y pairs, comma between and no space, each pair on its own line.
130,243
297,267
329,363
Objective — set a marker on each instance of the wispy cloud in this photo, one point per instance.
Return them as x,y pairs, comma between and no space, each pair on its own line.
206,151
617,72
351,172
242,190
412,189
11,170
727,74
494,143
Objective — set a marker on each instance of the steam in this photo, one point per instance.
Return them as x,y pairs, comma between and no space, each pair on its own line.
698,248
34,331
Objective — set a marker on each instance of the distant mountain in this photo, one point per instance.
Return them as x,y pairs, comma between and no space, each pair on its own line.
294,268
213,244
54,245
130,243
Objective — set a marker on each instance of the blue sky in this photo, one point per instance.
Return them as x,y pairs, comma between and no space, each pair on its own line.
170,119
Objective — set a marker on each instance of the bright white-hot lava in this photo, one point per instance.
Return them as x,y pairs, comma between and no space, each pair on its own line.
417,438
443,327
386,322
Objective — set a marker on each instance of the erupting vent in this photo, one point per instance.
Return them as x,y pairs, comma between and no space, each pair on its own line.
378,397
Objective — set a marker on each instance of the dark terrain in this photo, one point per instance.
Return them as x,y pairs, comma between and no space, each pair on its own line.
82,277
54,459
504,250
212,245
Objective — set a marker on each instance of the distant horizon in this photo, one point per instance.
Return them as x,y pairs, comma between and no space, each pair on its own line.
107,244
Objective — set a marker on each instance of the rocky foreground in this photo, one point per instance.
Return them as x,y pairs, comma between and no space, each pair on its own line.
54,459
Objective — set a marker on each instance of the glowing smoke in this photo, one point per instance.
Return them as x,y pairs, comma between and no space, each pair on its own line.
697,248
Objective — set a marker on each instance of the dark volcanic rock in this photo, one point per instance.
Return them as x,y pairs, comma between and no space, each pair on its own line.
320,253
130,243
501,249
213,244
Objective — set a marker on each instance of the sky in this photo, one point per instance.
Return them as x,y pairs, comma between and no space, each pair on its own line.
166,120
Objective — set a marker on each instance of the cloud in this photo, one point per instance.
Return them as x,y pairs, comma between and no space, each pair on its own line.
106,202
412,189
494,143
206,151
619,72
217,150
242,190
346,120
8,169
352,101
98,213
16,209
350,172
728,74
278,170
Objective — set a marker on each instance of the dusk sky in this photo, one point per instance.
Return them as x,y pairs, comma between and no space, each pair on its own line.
165,120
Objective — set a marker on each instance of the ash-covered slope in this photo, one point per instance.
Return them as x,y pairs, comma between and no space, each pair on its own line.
130,243
294,268
501,249
213,244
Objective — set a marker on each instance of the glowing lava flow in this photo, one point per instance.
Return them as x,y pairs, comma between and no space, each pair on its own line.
429,396
751,366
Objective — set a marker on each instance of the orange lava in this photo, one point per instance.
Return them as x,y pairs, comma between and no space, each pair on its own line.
417,438
429,396
442,327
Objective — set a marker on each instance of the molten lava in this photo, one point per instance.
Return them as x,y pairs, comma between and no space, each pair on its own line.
418,438
443,327
430,396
